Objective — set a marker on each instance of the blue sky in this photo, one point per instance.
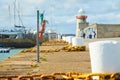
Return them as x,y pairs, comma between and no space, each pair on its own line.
61,14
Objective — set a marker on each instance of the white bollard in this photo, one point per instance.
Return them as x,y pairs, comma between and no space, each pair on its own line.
105,56
69,39
64,38
77,41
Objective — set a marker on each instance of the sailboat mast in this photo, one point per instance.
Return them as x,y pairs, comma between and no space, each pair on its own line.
14,13
9,14
18,13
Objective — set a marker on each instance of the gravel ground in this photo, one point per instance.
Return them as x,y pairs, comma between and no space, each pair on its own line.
25,63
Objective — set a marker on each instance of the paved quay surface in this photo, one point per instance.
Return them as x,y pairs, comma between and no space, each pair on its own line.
25,62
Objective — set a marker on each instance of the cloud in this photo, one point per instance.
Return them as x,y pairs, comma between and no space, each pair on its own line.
62,12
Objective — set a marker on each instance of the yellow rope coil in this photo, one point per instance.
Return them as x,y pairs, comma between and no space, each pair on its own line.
47,76
63,76
25,77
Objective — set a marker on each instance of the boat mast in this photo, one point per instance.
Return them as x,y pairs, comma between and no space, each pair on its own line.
14,13
9,14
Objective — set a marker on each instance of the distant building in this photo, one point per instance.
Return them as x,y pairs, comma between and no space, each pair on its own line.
50,34
95,30
104,30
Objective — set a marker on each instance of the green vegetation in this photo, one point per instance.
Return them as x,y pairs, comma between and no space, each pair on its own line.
34,66
1,65
28,73
43,58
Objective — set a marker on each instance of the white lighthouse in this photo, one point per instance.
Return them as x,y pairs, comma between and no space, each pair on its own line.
81,22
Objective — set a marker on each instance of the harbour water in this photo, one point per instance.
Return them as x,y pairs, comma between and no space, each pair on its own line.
12,52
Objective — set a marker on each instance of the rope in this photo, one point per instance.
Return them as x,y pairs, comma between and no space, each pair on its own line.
63,76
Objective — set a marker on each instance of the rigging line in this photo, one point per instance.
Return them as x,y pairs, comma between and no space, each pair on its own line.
20,20
19,17
16,10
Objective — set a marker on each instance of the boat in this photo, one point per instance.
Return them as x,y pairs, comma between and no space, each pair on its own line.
18,31
12,34
4,50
